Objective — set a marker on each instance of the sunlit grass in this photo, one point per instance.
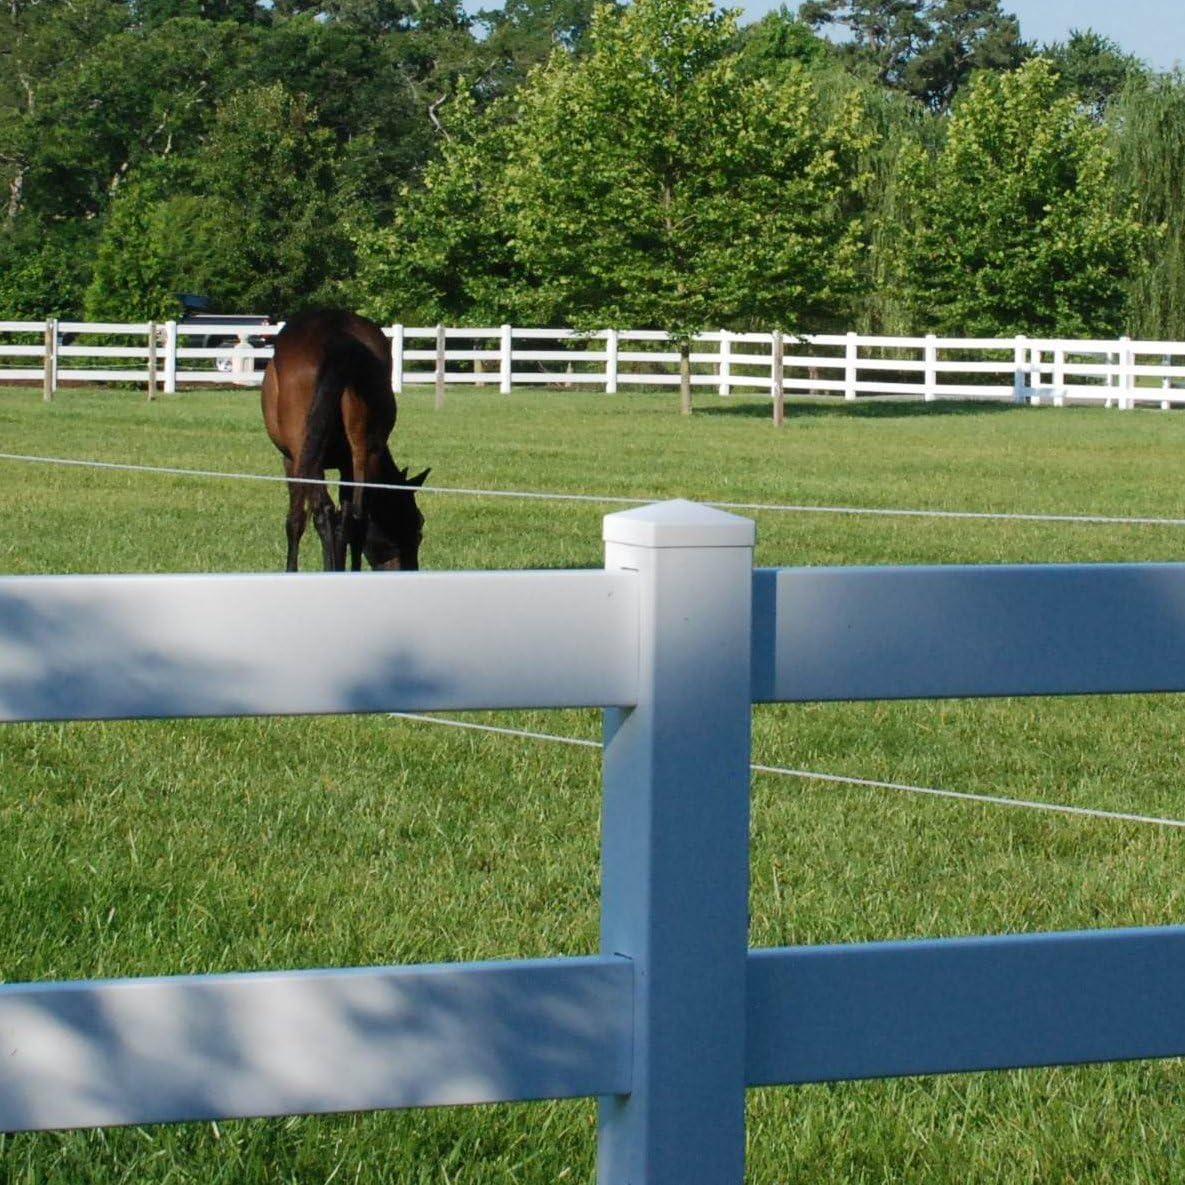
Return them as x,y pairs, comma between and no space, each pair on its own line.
153,848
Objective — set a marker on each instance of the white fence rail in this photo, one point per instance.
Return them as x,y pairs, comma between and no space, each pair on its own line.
675,1017
1121,373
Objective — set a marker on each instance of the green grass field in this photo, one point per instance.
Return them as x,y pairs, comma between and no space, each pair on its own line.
160,848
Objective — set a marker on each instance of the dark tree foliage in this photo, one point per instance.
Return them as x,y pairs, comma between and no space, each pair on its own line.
1093,68
927,48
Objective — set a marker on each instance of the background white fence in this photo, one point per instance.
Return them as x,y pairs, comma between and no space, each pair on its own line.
675,1017
1119,372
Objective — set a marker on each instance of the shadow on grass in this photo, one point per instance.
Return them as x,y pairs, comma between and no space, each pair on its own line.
869,409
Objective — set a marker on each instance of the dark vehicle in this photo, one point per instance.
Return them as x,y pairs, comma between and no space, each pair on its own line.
198,313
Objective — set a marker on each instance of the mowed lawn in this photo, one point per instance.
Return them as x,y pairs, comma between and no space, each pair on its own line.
163,848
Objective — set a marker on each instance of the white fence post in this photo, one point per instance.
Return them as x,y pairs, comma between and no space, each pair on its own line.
725,362
1020,382
170,357
1059,376
49,372
505,360
1127,380
1035,375
610,361
851,353
397,347
930,377
675,842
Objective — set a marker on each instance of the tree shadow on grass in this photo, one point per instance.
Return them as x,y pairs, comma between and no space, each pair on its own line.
868,409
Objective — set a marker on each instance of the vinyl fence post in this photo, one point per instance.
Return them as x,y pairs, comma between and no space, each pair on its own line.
397,348
778,379
610,361
930,372
1019,378
1059,376
851,353
49,373
725,362
151,361
170,357
505,361
441,344
675,840
1127,380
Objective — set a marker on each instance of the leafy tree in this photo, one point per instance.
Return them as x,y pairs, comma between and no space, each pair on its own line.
779,42
927,48
1149,129
1016,224
648,184
1093,68
445,255
44,268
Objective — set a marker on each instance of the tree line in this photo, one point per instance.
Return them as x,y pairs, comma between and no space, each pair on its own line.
570,162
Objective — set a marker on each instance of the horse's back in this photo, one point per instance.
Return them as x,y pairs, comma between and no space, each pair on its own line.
301,351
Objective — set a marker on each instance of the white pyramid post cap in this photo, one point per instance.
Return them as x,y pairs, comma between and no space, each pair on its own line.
678,523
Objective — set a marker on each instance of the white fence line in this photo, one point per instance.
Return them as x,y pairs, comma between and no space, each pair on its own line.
676,1016
1120,373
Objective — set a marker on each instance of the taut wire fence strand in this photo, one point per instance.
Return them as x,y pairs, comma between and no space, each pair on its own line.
815,776
617,499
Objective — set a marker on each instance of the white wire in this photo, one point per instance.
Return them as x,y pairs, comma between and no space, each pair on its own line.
613,499
814,776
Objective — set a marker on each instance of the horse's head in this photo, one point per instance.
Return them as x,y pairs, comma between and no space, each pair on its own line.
394,525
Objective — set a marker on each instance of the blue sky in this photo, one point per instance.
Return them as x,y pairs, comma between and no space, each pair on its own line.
1151,29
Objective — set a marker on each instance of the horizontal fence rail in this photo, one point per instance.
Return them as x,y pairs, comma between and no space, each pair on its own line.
675,1017
159,1050
107,647
1121,372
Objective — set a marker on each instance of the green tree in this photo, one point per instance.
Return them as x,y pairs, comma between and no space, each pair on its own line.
445,256
649,184
927,48
1149,130
1017,228
44,268
1093,68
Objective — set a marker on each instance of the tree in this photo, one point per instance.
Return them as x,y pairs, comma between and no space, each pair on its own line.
779,42
927,48
1016,224
445,253
649,184
1093,68
1148,122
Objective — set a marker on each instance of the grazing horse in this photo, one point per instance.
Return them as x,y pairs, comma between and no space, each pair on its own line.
328,404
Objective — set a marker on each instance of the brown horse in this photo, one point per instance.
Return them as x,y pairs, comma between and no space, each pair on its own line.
328,404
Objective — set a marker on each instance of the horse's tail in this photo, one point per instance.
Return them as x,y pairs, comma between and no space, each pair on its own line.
347,363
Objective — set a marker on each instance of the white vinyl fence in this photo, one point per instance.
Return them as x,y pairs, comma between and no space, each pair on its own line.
675,1016
1121,373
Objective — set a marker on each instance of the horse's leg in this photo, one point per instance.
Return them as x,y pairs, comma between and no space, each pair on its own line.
297,516
355,524
325,519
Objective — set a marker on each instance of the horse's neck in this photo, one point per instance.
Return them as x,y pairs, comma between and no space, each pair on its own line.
388,470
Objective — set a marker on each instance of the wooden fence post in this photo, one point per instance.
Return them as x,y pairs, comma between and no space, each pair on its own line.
685,378
397,348
151,361
610,361
725,366
505,361
778,379
441,345
170,357
675,842
1059,376
851,355
49,375
930,361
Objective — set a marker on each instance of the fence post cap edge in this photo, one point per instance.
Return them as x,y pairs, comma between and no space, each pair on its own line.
678,523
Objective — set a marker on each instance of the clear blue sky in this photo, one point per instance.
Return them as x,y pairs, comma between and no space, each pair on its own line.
1151,29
